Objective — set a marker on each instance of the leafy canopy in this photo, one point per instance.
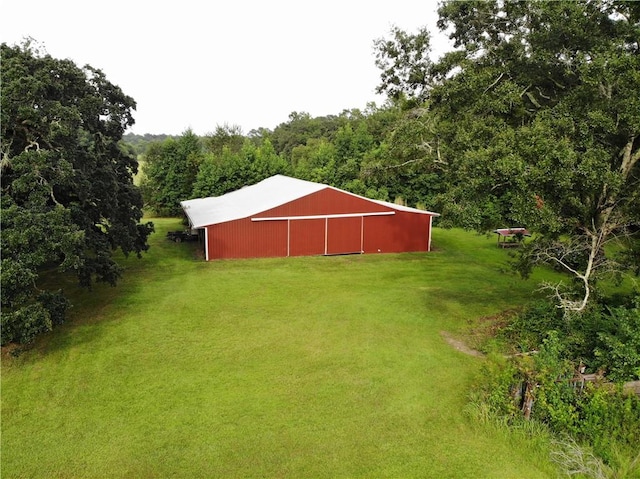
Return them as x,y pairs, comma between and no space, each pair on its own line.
170,170
68,199
534,120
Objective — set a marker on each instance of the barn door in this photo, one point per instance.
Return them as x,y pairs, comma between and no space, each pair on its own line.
306,237
343,235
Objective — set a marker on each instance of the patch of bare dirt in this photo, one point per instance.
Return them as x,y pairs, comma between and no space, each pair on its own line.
11,350
459,345
481,330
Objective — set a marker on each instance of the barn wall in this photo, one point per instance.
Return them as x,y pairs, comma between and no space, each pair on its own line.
399,233
247,239
402,231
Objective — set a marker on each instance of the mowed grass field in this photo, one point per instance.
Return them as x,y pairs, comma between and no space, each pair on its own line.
317,367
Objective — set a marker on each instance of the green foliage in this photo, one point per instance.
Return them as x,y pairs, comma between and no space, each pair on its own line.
22,325
498,382
618,346
140,143
554,395
630,256
170,171
25,324
229,171
349,151
533,122
315,161
300,128
598,414
405,65
68,198
526,331
602,339
264,160
220,175
224,136
609,418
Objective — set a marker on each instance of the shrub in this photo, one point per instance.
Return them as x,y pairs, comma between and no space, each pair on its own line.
527,330
601,338
25,324
609,419
600,414
555,394
618,350
498,387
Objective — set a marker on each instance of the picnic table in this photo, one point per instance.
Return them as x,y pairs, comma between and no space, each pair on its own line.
511,237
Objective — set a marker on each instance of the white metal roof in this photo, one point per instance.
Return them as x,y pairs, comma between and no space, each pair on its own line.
265,195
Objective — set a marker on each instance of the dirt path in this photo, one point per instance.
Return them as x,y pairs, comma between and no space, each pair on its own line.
459,345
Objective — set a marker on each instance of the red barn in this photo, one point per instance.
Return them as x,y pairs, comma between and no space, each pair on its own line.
283,216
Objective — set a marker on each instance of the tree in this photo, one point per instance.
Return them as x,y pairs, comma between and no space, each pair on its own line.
220,174
170,170
68,198
229,171
140,143
227,136
315,161
537,122
405,64
301,127
264,160
408,164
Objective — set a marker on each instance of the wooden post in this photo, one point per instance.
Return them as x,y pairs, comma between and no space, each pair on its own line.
527,404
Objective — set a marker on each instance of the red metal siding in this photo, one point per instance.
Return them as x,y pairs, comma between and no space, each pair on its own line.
324,202
306,237
344,235
399,232
247,239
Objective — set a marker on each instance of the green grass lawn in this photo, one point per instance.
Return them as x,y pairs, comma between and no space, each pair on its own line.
300,367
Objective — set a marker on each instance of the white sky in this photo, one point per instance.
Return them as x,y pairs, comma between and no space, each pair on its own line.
198,64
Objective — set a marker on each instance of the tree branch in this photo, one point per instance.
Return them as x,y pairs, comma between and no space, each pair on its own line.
629,157
31,144
389,167
494,83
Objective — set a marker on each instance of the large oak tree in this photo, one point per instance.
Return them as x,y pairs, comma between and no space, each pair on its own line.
68,198
534,120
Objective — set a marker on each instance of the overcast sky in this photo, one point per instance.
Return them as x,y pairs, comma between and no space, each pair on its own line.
196,64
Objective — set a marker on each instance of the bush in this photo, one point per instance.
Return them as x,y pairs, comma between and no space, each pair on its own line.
555,393
498,387
541,382
26,323
23,325
601,338
526,331
609,419
618,349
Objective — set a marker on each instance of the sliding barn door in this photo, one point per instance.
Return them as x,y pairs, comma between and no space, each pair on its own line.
344,235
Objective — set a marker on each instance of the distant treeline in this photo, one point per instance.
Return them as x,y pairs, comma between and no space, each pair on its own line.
355,150
141,142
